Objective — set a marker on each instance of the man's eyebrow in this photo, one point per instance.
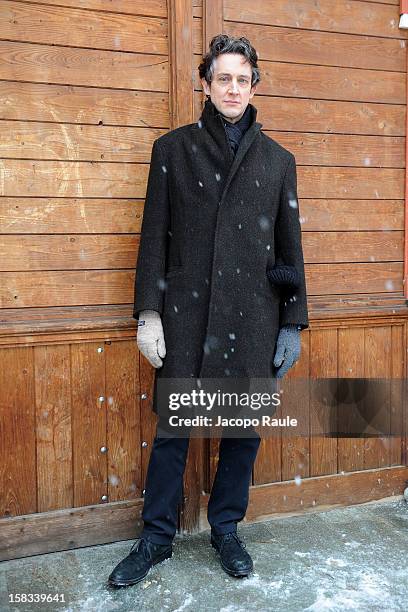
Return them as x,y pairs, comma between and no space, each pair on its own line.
228,74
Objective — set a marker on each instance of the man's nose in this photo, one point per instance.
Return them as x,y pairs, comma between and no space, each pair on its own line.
234,87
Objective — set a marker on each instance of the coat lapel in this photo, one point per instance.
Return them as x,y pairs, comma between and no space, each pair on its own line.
212,121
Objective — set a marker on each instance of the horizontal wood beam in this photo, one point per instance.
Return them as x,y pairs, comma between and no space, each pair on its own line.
318,493
59,325
36,534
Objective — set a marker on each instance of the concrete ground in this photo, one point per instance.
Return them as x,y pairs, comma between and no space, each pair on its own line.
351,558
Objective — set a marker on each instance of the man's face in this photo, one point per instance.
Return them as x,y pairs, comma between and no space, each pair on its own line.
230,89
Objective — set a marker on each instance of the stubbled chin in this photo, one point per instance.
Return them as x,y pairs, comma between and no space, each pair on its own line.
232,110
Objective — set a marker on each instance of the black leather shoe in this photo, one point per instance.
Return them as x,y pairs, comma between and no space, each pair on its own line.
143,555
235,560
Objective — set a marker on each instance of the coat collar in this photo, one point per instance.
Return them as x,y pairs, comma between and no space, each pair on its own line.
211,119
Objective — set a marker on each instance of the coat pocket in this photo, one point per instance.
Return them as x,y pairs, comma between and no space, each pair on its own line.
283,278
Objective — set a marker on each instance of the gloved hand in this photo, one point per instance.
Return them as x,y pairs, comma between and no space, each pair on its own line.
150,337
287,349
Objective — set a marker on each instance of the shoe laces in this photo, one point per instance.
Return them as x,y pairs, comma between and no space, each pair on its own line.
232,536
145,548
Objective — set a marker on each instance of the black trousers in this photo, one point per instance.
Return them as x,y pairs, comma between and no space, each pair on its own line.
228,501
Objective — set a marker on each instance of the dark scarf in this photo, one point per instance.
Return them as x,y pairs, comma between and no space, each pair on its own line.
235,131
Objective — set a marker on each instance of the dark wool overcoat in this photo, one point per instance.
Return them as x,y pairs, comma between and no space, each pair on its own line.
212,225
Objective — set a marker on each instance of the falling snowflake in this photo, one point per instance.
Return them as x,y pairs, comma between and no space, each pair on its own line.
217,177
263,223
389,285
164,169
212,341
200,123
257,182
195,294
232,336
293,203
298,479
200,183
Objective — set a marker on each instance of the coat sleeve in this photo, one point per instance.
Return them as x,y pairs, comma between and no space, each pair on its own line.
288,246
151,260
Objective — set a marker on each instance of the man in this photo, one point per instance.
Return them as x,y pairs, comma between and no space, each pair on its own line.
219,287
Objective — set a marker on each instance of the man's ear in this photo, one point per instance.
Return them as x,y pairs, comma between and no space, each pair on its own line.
253,90
205,86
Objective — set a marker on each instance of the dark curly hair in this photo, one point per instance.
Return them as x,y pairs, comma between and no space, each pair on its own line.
222,43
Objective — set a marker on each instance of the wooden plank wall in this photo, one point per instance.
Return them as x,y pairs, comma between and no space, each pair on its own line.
84,91
333,91
61,405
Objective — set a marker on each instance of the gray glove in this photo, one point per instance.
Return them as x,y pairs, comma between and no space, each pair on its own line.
150,337
287,348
